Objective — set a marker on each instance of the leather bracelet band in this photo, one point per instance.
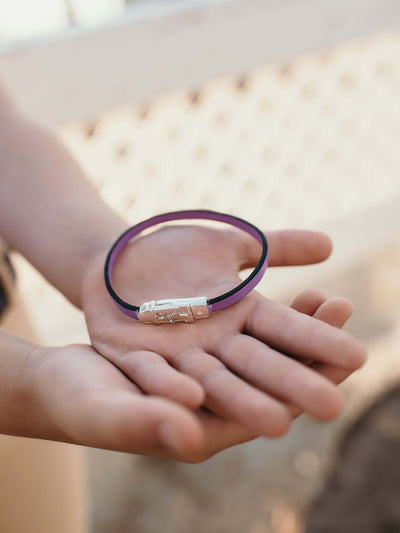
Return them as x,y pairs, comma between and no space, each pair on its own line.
185,309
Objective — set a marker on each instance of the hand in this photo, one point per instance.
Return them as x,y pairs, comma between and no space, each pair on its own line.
72,394
242,362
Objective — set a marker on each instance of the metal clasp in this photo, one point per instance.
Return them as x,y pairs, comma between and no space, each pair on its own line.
173,310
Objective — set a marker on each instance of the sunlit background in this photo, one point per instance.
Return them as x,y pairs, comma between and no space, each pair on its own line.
287,114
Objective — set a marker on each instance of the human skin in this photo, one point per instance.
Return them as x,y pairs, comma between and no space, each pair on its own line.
246,357
74,395
244,364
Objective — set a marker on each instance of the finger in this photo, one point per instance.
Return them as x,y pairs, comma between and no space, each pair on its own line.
281,376
219,434
336,312
299,335
155,376
123,421
309,301
230,397
287,247
313,302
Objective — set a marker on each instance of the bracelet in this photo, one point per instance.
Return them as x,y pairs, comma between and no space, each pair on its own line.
184,309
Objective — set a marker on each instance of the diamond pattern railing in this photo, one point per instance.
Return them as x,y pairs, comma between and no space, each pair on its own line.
303,143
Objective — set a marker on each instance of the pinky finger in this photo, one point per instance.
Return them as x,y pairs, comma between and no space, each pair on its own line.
309,301
336,312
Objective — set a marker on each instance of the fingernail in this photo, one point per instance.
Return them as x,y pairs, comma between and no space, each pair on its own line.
169,436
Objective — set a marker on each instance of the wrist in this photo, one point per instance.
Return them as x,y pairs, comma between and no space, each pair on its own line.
17,361
35,408
94,248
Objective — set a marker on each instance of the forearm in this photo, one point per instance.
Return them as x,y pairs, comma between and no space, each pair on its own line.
48,210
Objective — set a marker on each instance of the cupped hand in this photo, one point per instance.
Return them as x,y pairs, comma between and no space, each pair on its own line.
244,363
73,394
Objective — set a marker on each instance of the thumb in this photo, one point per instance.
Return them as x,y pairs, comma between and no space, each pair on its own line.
286,247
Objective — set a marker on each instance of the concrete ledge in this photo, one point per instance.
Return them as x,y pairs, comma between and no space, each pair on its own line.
81,74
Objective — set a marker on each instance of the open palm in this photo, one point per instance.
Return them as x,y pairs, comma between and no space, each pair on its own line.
245,363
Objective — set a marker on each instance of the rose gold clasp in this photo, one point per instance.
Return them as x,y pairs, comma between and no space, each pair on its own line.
173,310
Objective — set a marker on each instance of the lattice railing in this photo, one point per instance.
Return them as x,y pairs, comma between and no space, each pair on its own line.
303,143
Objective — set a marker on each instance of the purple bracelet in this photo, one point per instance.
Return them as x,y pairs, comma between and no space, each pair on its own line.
185,309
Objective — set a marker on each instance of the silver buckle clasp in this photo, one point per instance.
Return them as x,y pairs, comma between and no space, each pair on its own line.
173,310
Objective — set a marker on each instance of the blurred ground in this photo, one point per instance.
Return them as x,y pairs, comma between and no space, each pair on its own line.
362,492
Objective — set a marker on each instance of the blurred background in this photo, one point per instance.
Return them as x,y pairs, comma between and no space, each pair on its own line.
285,113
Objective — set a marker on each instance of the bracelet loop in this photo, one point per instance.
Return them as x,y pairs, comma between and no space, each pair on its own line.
185,309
